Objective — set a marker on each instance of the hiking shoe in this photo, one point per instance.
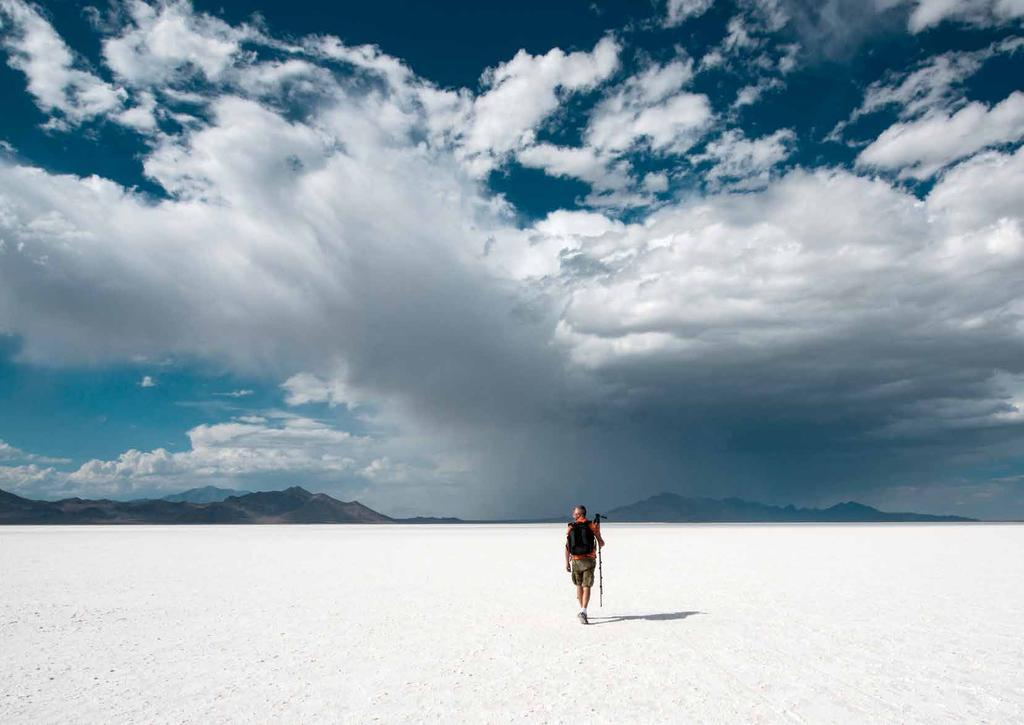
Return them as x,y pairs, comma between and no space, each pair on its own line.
583,618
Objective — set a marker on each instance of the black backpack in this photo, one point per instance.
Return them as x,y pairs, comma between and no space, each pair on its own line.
581,538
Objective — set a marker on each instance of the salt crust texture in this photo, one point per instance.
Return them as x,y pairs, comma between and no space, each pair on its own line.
476,623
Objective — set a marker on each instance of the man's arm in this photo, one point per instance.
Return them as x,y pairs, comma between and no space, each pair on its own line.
597,534
567,557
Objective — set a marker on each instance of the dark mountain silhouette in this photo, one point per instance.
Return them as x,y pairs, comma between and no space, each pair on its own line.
204,494
15,508
670,507
298,506
292,506
432,520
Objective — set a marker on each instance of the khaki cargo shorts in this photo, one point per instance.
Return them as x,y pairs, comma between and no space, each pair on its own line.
583,572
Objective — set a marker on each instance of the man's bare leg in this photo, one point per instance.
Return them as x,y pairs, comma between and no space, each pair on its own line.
583,596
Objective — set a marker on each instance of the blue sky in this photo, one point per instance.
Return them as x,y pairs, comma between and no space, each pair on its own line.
479,260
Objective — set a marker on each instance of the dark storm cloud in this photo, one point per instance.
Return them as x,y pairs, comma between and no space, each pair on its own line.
827,336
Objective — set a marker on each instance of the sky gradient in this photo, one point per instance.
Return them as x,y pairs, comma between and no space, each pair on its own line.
492,260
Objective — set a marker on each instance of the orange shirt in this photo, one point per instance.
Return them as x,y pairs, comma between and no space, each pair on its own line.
597,537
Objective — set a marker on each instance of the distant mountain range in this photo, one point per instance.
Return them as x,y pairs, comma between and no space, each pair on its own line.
670,507
292,506
296,505
204,494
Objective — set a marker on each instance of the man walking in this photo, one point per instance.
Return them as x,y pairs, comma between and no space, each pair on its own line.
581,551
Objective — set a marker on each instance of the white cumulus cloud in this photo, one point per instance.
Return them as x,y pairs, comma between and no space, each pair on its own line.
651,109
56,79
523,92
170,38
13,453
676,11
746,162
922,147
927,14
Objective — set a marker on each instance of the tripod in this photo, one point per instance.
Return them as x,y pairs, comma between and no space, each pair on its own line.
600,571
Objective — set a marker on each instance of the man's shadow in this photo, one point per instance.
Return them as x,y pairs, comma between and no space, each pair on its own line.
664,617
